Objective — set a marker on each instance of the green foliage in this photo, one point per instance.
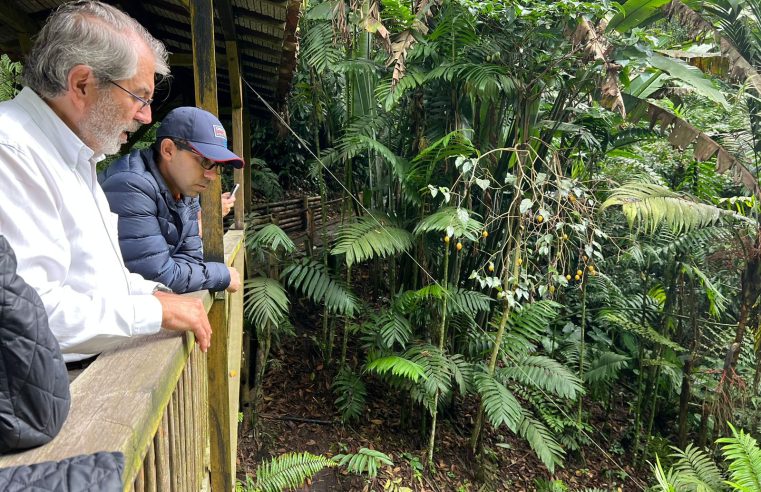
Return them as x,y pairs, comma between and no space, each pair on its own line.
694,470
605,367
370,238
264,301
264,181
501,407
351,395
269,237
452,221
311,278
320,51
363,462
744,456
622,320
288,471
398,366
390,328
649,205
636,13
545,373
10,77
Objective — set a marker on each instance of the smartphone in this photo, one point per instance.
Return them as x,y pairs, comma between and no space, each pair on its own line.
235,188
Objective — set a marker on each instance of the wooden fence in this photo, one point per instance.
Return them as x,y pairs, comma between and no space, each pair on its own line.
299,215
150,401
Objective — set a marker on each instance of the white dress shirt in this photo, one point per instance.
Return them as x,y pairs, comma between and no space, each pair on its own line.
57,220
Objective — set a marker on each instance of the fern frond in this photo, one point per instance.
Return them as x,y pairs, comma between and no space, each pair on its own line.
469,302
500,406
351,393
363,462
605,367
368,238
695,468
398,366
392,328
744,456
436,367
647,332
463,372
318,47
311,278
453,221
650,205
264,301
289,471
541,441
543,372
269,237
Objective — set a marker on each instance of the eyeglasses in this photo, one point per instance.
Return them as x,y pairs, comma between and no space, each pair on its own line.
205,163
145,102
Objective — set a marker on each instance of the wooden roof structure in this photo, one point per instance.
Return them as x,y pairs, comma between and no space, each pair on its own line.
263,30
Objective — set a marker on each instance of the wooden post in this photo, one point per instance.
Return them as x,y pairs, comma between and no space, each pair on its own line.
236,95
205,75
247,184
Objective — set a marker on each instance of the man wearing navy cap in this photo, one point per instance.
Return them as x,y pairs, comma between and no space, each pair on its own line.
155,193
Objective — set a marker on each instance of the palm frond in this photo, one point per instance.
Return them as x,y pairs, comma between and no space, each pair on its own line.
622,321
436,367
650,205
318,47
398,366
542,442
289,471
270,237
311,278
605,367
391,328
500,405
264,301
543,372
462,372
469,302
351,395
363,462
370,238
744,456
695,468
452,221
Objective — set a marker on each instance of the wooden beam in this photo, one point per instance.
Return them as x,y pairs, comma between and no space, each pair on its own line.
205,76
12,16
236,98
226,19
247,156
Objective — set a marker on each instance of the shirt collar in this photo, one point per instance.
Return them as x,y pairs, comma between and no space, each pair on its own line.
65,141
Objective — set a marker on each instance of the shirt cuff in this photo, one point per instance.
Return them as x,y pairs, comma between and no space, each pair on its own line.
148,314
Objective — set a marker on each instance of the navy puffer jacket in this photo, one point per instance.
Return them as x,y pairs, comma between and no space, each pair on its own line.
158,235
34,385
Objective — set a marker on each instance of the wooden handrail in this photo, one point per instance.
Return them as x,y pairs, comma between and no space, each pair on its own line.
121,401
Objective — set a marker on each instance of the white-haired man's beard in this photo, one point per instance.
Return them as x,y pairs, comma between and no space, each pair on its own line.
100,128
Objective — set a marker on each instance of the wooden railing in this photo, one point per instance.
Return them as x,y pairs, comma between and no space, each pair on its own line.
150,401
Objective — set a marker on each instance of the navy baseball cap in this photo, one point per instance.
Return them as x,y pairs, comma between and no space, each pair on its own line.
202,131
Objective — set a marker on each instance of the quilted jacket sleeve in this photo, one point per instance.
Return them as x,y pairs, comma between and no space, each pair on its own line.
34,385
144,248
87,473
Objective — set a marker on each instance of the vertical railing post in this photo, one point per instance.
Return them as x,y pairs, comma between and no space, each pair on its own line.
236,95
205,73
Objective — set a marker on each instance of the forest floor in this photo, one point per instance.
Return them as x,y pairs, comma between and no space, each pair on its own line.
298,414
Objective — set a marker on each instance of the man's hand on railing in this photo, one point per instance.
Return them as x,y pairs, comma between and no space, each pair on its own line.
180,313
234,280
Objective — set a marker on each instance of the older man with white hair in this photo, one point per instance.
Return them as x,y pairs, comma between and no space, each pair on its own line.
88,84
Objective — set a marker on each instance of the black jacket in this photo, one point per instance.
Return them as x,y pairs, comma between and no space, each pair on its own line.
34,385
